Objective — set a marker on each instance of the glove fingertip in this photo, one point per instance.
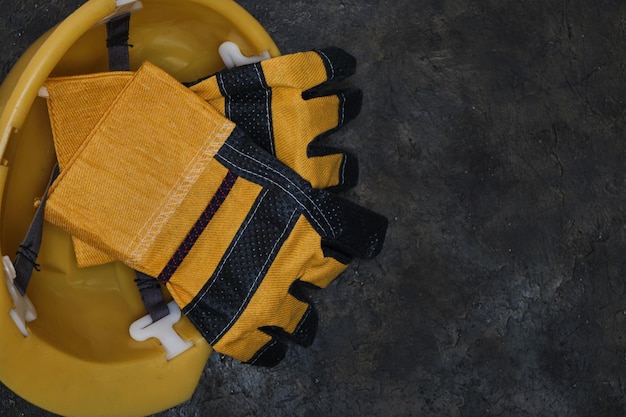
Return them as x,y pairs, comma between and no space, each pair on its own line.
274,351
339,64
307,328
359,233
350,103
269,355
377,237
348,174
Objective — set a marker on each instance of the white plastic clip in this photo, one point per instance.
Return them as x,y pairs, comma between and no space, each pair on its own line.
163,330
232,56
43,93
23,310
122,7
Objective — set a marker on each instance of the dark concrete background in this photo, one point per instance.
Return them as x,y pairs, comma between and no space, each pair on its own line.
492,138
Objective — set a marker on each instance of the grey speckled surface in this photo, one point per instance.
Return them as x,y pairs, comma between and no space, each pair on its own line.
492,138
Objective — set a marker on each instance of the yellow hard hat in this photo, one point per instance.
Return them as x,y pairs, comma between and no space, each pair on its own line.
77,357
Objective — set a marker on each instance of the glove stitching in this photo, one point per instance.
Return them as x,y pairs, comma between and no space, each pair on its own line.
342,170
342,109
198,228
153,226
330,63
218,272
304,207
303,319
253,287
230,99
220,81
267,107
259,354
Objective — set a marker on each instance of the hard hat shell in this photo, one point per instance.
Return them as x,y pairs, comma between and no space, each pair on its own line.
78,359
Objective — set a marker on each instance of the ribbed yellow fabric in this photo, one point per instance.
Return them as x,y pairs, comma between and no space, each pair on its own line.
89,97
210,247
303,71
293,133
138,166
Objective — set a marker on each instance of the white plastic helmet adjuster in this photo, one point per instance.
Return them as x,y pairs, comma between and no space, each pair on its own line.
232,56
23,310
123,7
163,330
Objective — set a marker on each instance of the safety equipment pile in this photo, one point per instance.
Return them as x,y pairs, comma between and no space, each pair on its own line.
217,189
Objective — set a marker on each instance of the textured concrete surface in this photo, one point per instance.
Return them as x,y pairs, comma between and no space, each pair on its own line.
492,138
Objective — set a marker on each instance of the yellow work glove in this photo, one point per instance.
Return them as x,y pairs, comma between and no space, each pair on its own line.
173,189
274,102
283,104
